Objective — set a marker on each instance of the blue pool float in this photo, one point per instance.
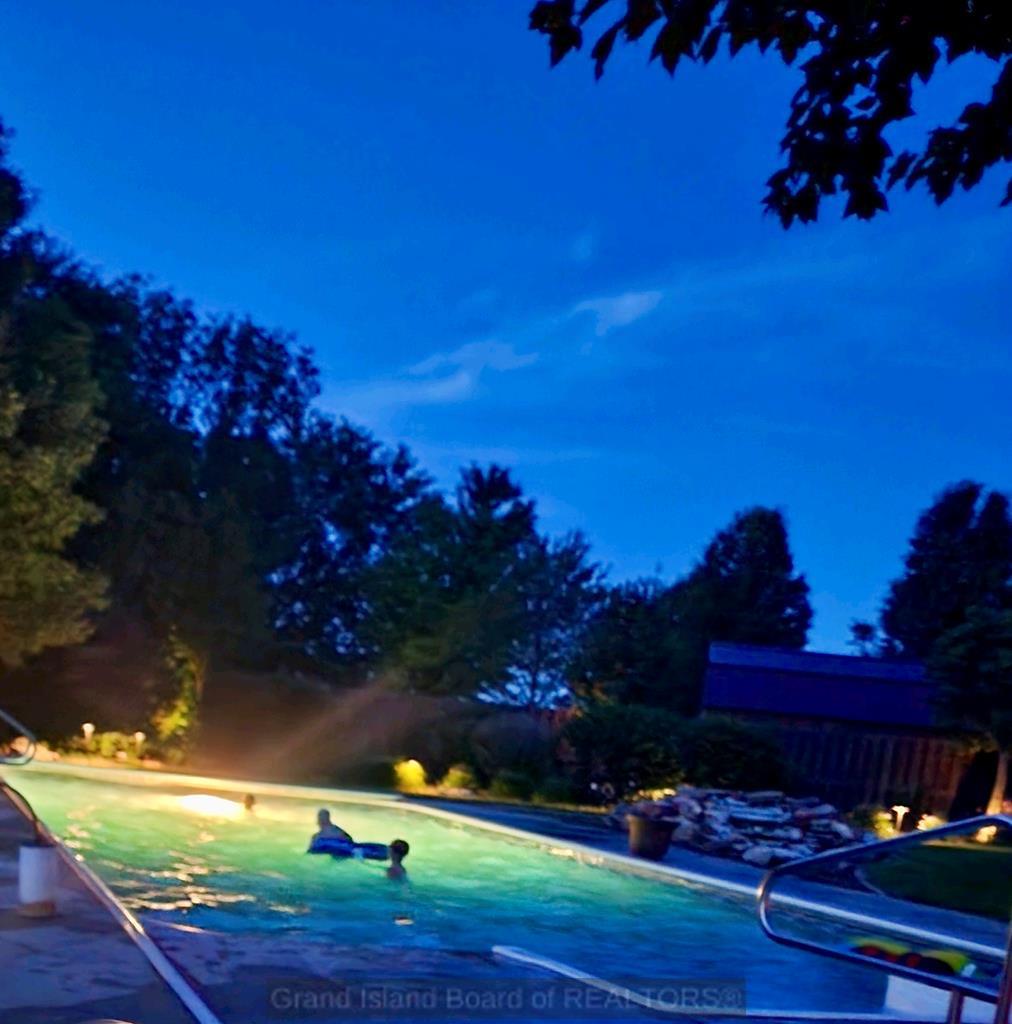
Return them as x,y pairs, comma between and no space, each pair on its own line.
346,848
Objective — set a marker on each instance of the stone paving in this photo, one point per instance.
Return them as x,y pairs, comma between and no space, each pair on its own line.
77,966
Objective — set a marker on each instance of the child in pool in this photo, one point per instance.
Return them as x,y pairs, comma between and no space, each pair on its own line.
398,851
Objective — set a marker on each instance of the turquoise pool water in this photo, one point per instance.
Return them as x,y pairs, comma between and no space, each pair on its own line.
207,864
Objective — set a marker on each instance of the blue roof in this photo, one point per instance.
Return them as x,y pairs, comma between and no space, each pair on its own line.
806,684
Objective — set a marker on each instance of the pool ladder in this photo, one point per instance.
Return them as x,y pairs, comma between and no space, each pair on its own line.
958,988
24,756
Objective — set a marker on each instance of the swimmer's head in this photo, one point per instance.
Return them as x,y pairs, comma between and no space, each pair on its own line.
398,850
323,817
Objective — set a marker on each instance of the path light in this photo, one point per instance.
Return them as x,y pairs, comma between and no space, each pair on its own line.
927,822
89,730
139,739
901,812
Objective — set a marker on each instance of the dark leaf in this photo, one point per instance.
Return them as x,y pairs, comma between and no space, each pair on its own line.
708,49
668,46
603,47
590,8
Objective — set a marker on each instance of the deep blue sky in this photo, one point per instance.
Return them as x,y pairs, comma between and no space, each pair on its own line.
495,261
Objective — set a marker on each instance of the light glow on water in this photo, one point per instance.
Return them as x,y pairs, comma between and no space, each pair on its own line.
211,806
203,861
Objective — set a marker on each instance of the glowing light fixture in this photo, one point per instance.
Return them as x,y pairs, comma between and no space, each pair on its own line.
139,739
986,834
410,775
926,822
901,812
88,729
211,806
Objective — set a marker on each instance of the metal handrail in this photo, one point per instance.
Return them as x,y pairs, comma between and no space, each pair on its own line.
29,751
957,986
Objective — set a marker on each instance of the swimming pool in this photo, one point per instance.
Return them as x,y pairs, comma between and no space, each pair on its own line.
195,858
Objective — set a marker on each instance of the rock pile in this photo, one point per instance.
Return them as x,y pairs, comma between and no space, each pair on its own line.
762,828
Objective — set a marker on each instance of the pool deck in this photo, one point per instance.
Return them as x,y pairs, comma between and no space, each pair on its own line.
77,966
592,830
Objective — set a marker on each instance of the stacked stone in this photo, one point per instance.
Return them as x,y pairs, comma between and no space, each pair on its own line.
763,828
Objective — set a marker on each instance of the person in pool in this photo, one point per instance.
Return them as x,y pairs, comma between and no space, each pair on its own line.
398,851
328,830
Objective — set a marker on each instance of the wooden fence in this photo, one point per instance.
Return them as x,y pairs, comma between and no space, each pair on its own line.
850,768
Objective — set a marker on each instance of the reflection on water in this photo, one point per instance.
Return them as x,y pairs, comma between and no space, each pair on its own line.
468,890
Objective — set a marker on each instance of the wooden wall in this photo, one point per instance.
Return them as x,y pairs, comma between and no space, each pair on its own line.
849,767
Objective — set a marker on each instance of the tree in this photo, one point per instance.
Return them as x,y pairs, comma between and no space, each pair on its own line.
861,62
48,434
973,665
649,644
354,500
445,600
960,557
557,589
743,590
629,650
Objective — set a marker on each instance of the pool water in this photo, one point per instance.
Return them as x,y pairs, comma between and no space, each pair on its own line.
207,863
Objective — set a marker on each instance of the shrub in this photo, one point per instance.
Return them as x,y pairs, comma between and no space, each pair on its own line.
109,744
378,774
557,789
410,775
726,754
873,818
460,776
511,741
512,785
618,749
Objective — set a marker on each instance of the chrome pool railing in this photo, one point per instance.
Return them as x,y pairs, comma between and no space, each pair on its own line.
24,756
959,988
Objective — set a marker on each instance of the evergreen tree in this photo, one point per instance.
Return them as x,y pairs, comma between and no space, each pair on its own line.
973,665
960,557
744,590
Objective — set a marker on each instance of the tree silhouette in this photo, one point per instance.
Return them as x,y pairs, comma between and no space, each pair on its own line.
860,63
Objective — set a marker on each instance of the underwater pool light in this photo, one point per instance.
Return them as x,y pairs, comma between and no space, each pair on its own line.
211,806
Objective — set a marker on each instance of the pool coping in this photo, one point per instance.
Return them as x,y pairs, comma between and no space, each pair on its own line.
190,999
667,874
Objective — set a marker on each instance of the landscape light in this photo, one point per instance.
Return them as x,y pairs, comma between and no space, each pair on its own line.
88,728
901,812
139,739
926,822
410,775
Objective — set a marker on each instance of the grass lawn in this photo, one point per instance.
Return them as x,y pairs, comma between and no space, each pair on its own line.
966,876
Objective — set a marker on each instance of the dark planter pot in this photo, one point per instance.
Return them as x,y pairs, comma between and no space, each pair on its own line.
648,838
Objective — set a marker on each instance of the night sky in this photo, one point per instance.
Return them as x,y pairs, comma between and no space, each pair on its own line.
498,262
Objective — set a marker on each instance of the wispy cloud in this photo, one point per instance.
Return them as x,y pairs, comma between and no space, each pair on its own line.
440,379
474,358
619,310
